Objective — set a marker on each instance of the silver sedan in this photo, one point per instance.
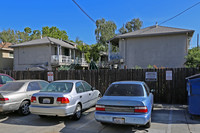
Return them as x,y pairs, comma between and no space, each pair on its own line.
16,95
64,98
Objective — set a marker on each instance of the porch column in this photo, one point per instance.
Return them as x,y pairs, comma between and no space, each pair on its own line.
74,56
70,53
109,50
58,50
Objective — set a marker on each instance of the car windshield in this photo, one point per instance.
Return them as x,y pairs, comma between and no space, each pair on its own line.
125,90
64,87
12,86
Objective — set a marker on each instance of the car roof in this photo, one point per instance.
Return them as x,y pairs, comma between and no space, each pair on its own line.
73,81
128,82
25,81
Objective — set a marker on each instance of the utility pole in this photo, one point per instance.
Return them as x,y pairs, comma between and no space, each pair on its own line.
197,40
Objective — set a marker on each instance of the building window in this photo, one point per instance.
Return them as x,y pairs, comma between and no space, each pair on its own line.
66,52
11,54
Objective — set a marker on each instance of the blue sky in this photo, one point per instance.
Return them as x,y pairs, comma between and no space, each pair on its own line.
65,15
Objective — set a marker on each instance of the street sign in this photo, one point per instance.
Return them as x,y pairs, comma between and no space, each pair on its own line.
151,76
168,75
50,76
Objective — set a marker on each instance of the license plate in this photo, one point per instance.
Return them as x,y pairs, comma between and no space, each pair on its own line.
46,100
119,120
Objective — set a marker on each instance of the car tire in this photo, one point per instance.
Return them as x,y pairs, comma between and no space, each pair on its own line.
42,116
78,112
148,125
24,108
103,123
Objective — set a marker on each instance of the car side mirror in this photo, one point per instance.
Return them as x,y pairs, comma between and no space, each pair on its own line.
152,90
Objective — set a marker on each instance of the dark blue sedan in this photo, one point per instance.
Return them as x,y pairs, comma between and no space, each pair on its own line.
126,102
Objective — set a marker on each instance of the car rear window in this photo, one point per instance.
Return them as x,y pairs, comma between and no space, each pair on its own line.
12,86
64,87
125,90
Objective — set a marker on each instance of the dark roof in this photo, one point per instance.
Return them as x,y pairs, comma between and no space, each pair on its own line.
44,40
154,31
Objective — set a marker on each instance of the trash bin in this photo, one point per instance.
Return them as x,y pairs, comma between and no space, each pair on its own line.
193,88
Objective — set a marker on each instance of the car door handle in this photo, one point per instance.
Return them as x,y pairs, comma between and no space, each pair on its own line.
80,96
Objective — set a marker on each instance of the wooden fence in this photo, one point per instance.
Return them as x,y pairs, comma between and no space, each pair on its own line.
166,91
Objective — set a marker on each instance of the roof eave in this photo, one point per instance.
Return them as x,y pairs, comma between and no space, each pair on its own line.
156,34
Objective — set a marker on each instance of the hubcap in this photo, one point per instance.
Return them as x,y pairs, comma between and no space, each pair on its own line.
25,108
78,111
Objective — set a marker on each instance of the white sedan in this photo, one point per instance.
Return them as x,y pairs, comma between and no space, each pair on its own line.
64,98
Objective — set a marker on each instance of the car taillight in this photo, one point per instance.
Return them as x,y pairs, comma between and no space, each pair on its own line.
142,109
33,99
62,100
100,108
4,99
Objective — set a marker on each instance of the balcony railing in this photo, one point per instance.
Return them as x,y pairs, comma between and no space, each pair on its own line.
67,60
103,64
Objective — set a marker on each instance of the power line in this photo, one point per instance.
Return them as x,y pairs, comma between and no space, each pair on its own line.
179,13
84,11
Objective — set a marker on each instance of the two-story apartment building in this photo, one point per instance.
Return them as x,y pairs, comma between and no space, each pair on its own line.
46,54
6,56
155,45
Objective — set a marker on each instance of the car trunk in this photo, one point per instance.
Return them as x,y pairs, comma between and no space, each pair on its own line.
121,103
48,99
3,96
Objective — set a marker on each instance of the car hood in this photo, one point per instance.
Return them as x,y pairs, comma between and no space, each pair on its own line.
122,101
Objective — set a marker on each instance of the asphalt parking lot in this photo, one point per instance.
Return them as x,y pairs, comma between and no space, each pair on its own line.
165,119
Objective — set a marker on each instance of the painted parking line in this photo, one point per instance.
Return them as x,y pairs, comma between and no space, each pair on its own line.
169,127
85,124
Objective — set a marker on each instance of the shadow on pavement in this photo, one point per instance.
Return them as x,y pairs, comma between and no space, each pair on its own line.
31,120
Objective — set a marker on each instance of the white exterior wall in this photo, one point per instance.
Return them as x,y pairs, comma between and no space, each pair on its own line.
162,51
26,57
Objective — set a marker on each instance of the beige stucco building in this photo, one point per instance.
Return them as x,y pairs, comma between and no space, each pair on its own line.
6,56
46,54
156,45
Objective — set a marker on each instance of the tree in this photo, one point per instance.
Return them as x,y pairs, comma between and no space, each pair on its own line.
133,25
95,51
54,32
36,35
9,36
78,41
85,50
193,57
123,30
105,30
27,31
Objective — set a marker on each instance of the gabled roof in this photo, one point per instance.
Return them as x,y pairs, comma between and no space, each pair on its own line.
44,40
154,31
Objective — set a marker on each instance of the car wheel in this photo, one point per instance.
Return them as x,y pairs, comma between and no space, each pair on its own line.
24,108
78,113
103,123
148,125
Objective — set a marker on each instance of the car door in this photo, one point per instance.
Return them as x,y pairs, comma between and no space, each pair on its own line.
149,95
82,95
33,87
90,93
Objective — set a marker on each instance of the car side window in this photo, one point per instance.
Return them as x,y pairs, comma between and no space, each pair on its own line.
147,89
5,79
33,86
43,84
87,86
79,87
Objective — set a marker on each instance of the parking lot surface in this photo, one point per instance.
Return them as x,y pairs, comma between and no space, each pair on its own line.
165,119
